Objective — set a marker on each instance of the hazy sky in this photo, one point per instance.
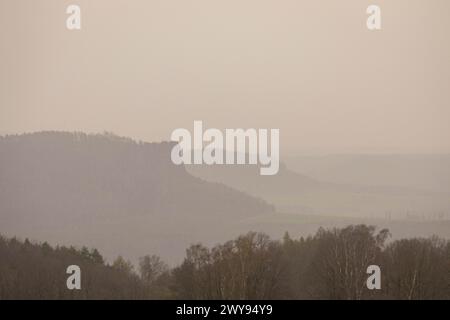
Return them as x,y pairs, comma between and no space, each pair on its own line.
311,68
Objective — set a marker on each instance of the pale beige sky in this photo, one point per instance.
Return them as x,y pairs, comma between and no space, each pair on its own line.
311,68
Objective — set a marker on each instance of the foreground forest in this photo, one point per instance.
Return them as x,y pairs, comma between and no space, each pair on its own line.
329,265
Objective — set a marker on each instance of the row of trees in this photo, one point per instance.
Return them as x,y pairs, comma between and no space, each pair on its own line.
331,264
38,271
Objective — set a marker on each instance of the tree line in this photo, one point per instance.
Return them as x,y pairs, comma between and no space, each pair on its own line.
331,264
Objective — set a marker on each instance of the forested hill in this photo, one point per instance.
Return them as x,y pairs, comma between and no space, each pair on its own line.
111,192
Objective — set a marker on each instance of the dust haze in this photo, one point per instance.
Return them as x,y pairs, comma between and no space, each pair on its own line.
86,118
